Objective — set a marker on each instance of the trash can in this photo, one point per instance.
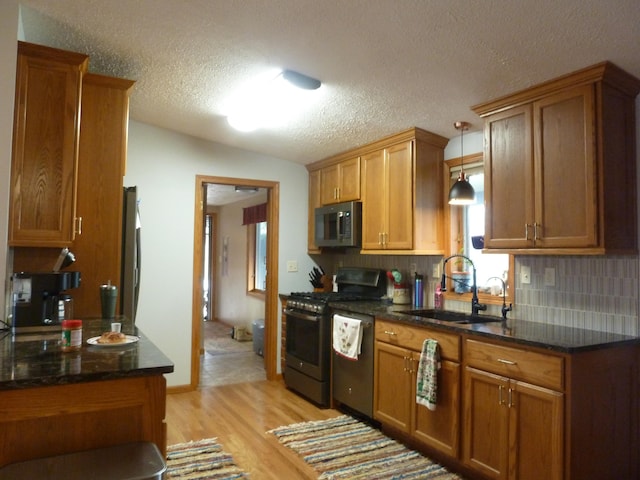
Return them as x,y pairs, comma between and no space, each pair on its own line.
258,336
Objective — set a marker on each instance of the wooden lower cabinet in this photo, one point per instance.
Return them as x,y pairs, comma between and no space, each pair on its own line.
512,429
513,411
55,420
396,364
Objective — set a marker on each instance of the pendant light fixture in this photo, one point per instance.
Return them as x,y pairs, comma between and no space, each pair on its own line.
462,193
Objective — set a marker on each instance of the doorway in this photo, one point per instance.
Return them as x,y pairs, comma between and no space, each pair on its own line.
271,295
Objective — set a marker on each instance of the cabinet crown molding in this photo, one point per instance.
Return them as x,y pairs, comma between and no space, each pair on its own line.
606,72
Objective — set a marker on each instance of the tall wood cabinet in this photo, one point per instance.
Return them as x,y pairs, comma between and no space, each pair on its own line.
68,166
560,173
42,209
102,157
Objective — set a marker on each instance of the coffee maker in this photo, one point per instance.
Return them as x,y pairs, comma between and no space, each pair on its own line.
40,301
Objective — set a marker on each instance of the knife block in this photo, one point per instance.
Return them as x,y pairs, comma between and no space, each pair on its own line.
326,284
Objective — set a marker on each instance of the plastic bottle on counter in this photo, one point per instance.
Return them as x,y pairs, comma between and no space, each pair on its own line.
438,299
418,291
71,335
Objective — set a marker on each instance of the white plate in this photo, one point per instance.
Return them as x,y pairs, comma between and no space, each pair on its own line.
129,339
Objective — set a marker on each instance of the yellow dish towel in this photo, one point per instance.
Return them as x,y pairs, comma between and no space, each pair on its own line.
427,382
347,336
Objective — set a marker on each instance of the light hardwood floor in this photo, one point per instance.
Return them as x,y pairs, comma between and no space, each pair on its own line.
239,416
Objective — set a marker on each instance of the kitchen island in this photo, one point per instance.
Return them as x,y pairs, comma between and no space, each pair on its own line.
56,402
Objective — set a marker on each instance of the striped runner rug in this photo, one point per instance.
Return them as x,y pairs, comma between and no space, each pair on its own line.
343,447
203,459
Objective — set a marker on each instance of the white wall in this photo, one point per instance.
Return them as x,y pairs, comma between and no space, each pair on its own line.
235,307
164,164
8,36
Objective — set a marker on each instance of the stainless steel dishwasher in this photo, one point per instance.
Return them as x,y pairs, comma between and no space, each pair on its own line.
352,380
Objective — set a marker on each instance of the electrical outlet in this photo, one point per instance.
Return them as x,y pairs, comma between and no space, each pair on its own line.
435,271
549,277
525,274
292,266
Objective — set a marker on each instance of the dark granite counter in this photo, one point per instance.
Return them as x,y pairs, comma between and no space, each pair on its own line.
34,360
552,337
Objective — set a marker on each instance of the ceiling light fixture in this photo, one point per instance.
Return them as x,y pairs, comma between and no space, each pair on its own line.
301,81
462,193
272,101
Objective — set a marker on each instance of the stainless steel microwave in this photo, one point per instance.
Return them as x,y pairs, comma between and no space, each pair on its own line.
339,225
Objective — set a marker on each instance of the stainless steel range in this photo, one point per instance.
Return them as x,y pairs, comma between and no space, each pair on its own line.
308,330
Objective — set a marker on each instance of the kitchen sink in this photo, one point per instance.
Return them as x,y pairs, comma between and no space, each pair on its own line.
448,316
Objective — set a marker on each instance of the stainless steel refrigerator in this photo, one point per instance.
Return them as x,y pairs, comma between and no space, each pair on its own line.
131,258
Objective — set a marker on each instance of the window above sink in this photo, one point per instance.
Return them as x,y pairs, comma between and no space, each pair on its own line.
465,222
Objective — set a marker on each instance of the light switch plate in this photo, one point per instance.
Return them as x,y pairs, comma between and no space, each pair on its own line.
525,274
292,266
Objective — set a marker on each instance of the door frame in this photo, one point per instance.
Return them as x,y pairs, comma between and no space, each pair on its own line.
212,304
271,293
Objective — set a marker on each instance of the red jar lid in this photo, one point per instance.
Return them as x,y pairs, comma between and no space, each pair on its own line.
72,324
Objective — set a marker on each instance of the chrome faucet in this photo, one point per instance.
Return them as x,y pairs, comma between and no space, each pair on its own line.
476,306
504,298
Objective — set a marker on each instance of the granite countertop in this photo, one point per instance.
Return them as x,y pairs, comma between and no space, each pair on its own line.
33,360
552,337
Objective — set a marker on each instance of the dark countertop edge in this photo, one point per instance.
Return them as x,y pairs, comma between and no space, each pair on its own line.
486,330
155,361
61,380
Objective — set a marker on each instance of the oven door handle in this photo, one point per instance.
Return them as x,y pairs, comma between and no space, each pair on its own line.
303,316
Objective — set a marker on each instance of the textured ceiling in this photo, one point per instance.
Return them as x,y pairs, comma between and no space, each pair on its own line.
386,65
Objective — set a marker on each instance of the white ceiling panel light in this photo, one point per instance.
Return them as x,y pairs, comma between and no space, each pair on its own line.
272,102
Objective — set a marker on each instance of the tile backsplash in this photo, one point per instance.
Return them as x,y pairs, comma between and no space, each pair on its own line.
591,292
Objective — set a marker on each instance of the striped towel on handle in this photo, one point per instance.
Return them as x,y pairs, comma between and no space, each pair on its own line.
427,382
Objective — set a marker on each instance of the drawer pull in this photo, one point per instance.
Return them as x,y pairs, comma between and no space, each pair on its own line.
507,362
388,332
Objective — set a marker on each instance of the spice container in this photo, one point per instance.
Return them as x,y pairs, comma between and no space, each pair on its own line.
71,335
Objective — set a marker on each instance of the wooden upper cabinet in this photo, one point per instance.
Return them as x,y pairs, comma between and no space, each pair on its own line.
508,168
45,146
387,198
340,182
400,180
403,195
101,168
560,166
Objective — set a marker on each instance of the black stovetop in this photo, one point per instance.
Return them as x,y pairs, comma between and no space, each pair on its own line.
334,296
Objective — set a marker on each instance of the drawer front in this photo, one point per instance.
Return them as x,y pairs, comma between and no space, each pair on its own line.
411,337
536,368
